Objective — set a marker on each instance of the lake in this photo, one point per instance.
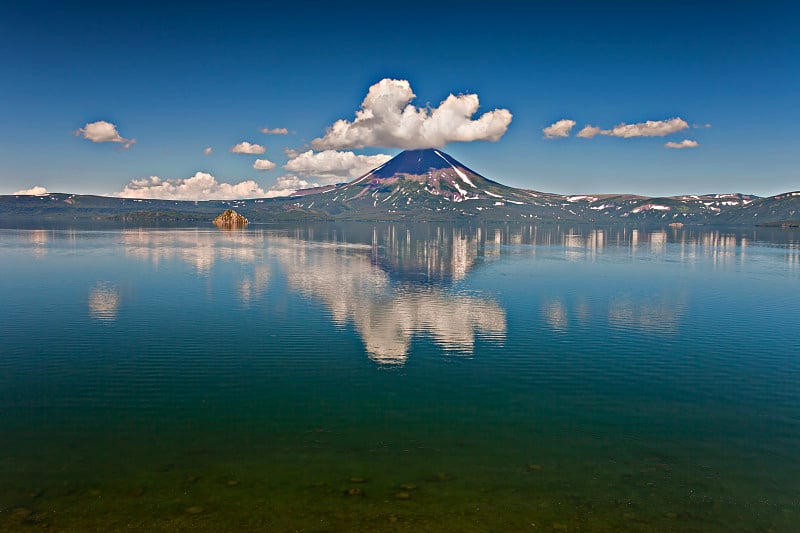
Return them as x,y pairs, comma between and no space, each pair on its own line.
395,377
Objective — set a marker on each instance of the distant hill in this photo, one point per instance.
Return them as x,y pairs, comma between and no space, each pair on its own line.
419,185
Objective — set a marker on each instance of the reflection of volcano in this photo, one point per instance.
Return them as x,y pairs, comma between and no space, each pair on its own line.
385,315
443,254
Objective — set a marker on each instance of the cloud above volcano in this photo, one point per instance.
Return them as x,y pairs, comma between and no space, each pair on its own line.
388,119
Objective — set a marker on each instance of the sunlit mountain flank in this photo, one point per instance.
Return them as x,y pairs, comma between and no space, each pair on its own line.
422,185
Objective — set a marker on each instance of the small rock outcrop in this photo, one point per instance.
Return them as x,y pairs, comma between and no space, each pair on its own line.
230,219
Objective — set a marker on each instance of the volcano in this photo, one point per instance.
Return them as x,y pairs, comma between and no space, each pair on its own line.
426,177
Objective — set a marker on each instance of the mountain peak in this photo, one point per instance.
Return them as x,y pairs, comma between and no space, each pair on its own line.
427,176
416,163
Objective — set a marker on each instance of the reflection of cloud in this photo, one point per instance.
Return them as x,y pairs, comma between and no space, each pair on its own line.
39,239
202,249
104,301
251,288
792,256
555,314
655,314
659,313
387,316
198,248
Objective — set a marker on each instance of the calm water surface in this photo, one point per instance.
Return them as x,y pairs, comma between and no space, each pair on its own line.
399,377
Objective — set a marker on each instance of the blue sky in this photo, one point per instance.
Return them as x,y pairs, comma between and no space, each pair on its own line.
181,78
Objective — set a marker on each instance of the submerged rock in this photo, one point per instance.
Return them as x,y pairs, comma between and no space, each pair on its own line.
231,219
21,514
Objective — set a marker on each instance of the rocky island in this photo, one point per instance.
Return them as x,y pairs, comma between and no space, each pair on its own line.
230,219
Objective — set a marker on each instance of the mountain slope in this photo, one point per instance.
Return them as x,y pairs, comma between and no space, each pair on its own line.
420,185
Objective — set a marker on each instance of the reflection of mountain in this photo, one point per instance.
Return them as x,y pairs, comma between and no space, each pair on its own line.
387,316
396,281
356,281
442,254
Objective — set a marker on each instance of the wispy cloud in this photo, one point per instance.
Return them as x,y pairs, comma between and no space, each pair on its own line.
686,143
245,147
331,166
275,131
207,150
650,128
38,190
388,119
263,164
201,186
559,129
103,132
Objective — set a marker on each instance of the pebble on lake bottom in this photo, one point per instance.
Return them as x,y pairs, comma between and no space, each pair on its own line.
402,496
194,509
358,479
408,486
353,491
232,482
21,513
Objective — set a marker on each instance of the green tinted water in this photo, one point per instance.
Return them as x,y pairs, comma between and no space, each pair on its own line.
392,377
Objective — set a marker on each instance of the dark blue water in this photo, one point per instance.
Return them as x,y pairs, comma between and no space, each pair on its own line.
391,377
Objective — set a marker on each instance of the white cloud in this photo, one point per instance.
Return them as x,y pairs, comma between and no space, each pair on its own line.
201,186
103,132
686,143
701,126
38,190
207,150
275,131
589,131
559,129
245,147
331,166
286,185
650,128
263,164
388,119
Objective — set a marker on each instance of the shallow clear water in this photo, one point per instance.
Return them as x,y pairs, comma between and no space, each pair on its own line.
391,377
